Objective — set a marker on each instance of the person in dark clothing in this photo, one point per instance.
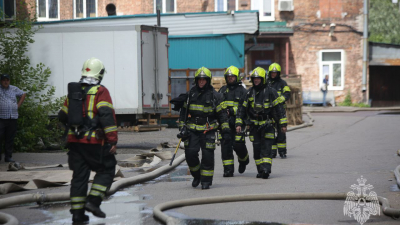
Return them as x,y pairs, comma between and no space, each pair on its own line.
233,95
274,79
324,89
261,104
205,108
92,146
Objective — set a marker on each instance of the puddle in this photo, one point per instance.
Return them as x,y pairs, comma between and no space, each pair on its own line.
180,173
394,187
124,207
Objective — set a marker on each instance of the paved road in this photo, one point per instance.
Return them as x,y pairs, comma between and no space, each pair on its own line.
327,157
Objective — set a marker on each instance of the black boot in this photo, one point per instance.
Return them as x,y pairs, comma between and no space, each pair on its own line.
282,155
196,182
242,168
205,185
78,216
228,174
265,175
95,210
259,175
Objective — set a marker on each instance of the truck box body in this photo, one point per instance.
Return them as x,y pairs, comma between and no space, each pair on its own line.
135,58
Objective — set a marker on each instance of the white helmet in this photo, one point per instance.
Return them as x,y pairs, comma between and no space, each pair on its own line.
93,68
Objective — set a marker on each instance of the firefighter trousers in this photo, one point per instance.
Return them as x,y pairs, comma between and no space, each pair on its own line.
262,147
280,142
83,158
206,142
236,143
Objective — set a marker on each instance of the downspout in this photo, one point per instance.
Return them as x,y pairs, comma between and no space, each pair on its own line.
365,51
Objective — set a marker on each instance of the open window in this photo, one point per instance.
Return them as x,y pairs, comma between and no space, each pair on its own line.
266,9
85,8
48,9
165,6
332,64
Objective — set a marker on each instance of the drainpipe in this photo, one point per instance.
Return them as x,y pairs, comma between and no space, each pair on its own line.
365,50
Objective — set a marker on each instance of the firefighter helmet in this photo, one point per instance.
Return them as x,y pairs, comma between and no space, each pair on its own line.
258,72
274,67
232,71
93,68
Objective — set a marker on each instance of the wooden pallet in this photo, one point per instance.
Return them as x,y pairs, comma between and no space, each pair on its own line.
142,128
144,121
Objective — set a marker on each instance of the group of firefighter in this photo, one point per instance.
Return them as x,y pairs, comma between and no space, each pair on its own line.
233,112
89,116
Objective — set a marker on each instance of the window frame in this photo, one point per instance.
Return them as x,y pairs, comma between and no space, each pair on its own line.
164,6
47,12
225,5
330,64
3,18
260,6
84,9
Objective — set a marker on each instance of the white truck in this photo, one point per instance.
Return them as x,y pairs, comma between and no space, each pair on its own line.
135,58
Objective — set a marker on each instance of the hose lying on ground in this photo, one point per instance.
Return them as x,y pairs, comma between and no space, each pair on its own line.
397,175
157,211
42,197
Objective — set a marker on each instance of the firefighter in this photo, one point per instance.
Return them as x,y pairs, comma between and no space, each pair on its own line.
261,105
92,138
274,79
205,107
233,94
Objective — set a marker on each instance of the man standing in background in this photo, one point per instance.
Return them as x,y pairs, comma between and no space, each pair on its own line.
9,114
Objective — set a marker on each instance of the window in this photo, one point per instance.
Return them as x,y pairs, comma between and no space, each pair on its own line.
8,8
165,6
225,5
48,9
266,9
332,64
85,8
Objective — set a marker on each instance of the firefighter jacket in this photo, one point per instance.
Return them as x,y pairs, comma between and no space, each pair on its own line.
98,103
260,105
233,96
282,88
206,108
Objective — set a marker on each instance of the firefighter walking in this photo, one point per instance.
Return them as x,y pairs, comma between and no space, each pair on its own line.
92,138
205,107
274,79
233,95
260,104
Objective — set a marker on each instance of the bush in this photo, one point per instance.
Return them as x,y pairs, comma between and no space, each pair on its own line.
347,102
34,122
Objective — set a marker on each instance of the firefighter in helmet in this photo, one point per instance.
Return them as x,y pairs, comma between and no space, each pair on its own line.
274,79
261,104
233,95
92,138
205,107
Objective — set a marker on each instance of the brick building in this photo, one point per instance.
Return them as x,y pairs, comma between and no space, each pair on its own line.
311,38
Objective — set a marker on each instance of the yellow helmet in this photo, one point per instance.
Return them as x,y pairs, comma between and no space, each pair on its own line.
93,68
258,72
203,72
232,71
274,67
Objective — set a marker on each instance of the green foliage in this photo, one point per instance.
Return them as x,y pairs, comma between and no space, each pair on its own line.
384,22
34,122
347,102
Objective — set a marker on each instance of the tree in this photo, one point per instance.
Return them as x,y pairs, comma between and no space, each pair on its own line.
34,122
384,22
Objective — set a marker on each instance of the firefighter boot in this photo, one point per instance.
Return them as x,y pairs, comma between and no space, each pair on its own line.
95,210
242,168
274,151
228,170
205,185
78,216
259,173
265,175
196,178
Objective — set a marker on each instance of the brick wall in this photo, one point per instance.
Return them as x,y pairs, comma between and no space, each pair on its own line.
311,36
